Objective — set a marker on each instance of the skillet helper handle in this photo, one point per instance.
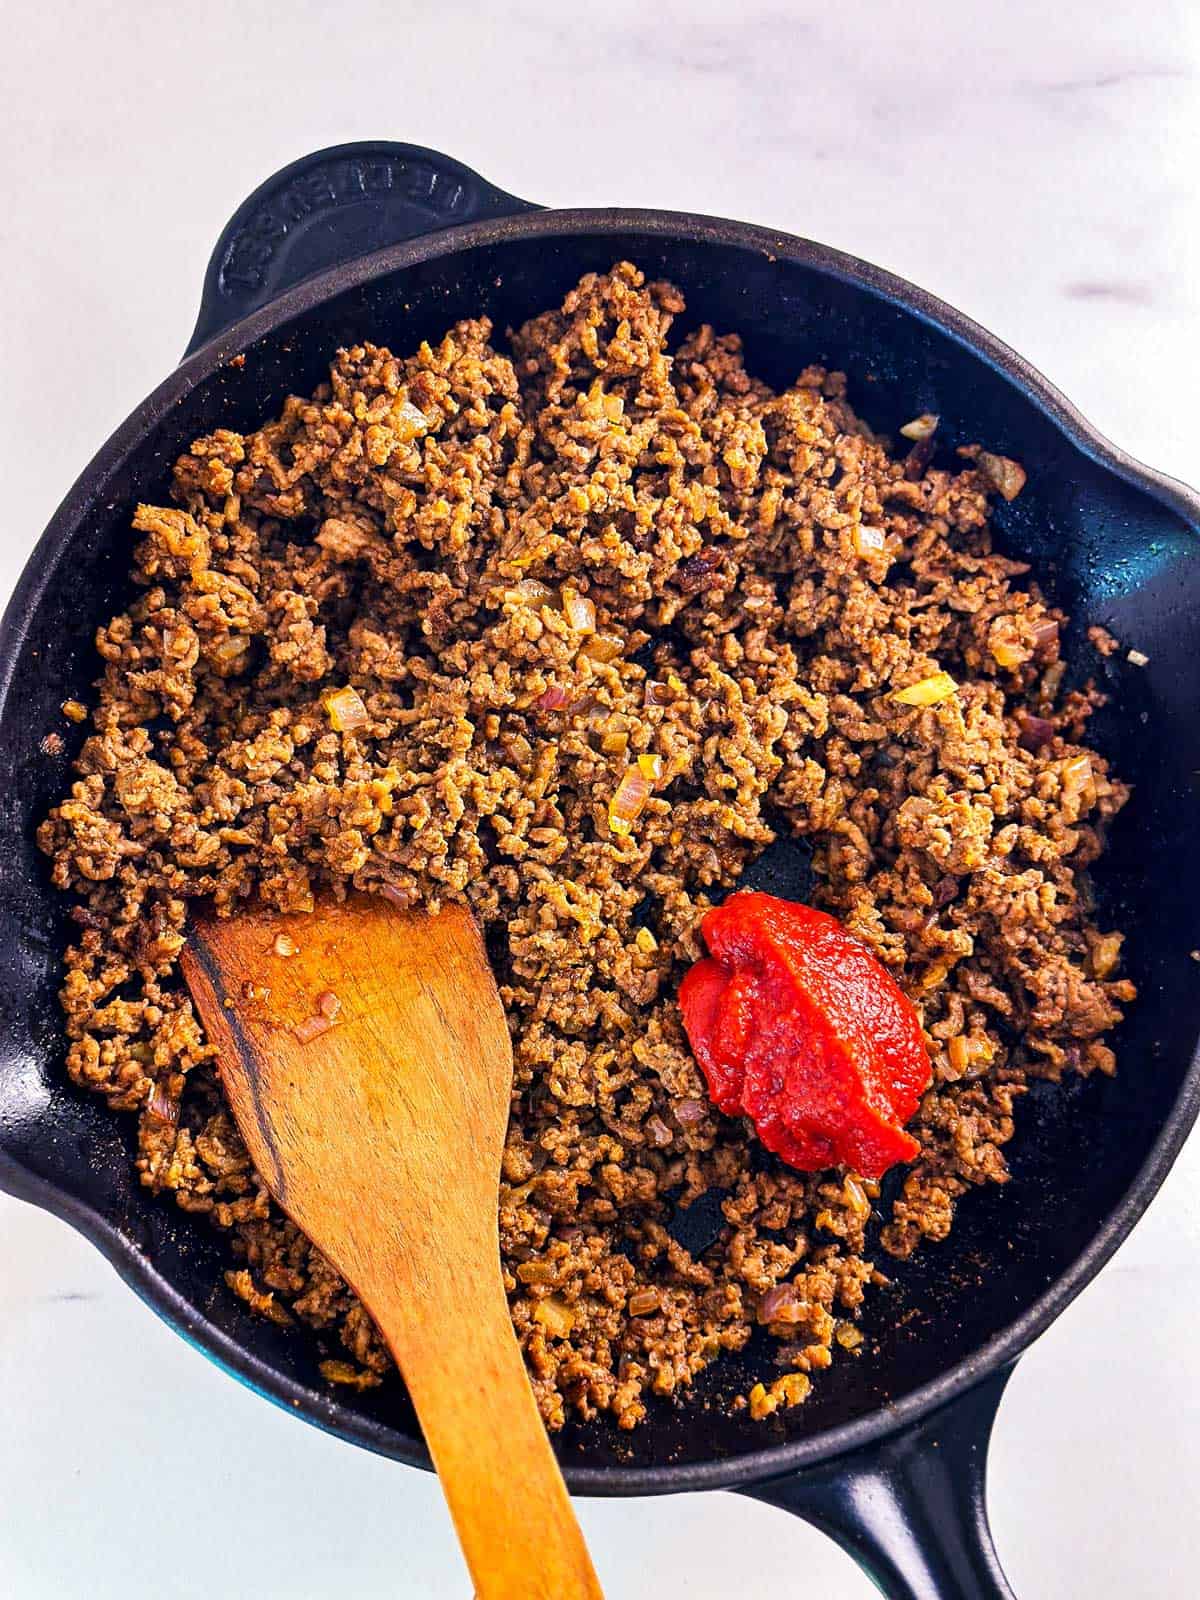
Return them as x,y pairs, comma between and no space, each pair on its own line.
911,1511
330,208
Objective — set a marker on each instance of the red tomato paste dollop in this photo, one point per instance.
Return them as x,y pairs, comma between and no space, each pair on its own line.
799,1028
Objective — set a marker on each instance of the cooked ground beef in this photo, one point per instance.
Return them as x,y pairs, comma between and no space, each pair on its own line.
761,576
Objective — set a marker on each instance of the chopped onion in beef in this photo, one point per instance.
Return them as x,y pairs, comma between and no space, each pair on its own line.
162,1105
579,611
1077,777
642,1302
555,1316
552,698
1004,475
651,768
1036,732
869,541
229,655
628,801
285,945
1045,634
922,427
689,1111
1008,653
401,898
603,647
328,1004
409,422
1106,952
928,692
345,710
853,1191
776,1302
530,592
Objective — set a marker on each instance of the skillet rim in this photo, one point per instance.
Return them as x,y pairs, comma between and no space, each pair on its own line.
42,567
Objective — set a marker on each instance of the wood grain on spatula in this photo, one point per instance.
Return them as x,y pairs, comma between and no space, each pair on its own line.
381,1138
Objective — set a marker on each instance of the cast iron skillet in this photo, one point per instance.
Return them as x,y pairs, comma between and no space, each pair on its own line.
393,243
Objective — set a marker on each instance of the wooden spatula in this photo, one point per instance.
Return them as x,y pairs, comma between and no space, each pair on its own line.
365,1056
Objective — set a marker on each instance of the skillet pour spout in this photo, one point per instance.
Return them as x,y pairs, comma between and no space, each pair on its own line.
393,243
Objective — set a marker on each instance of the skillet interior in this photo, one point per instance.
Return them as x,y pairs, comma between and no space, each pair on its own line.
1108,549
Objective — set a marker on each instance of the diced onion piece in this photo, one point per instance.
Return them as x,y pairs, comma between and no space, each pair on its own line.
1008,653
922,427
285,945
657,694
928,692
531,592
651,768
615,743
855,1197
1045,634
328,1004
553,698
645,941
689,1111
657,1130
1036,732
959,1055
345,710
1077,776
229,655
603,647
162,1106
409,422
1006,476
401,898
312,1028
869,541
848,1336
777,1303
1106,952
555,1316
628,801
1137,658
74,710
579,611
642,1302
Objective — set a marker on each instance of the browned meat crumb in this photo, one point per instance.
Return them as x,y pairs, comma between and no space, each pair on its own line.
351,660
1100,639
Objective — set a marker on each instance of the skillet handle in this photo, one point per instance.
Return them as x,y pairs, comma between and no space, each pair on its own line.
328,209
911,1511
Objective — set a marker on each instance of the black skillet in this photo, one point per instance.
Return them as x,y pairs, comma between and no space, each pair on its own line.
393,243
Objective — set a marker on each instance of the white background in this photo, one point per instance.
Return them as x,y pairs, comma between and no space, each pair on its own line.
1035,164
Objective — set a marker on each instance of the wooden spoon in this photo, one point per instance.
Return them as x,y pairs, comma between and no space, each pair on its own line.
379,1130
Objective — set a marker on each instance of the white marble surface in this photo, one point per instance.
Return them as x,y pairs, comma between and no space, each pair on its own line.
1034,164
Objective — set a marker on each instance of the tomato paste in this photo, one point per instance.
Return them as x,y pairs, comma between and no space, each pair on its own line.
798,1027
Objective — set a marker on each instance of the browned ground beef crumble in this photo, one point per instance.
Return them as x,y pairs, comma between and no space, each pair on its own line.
764,576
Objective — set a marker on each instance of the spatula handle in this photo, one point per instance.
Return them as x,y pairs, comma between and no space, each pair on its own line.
467,1379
